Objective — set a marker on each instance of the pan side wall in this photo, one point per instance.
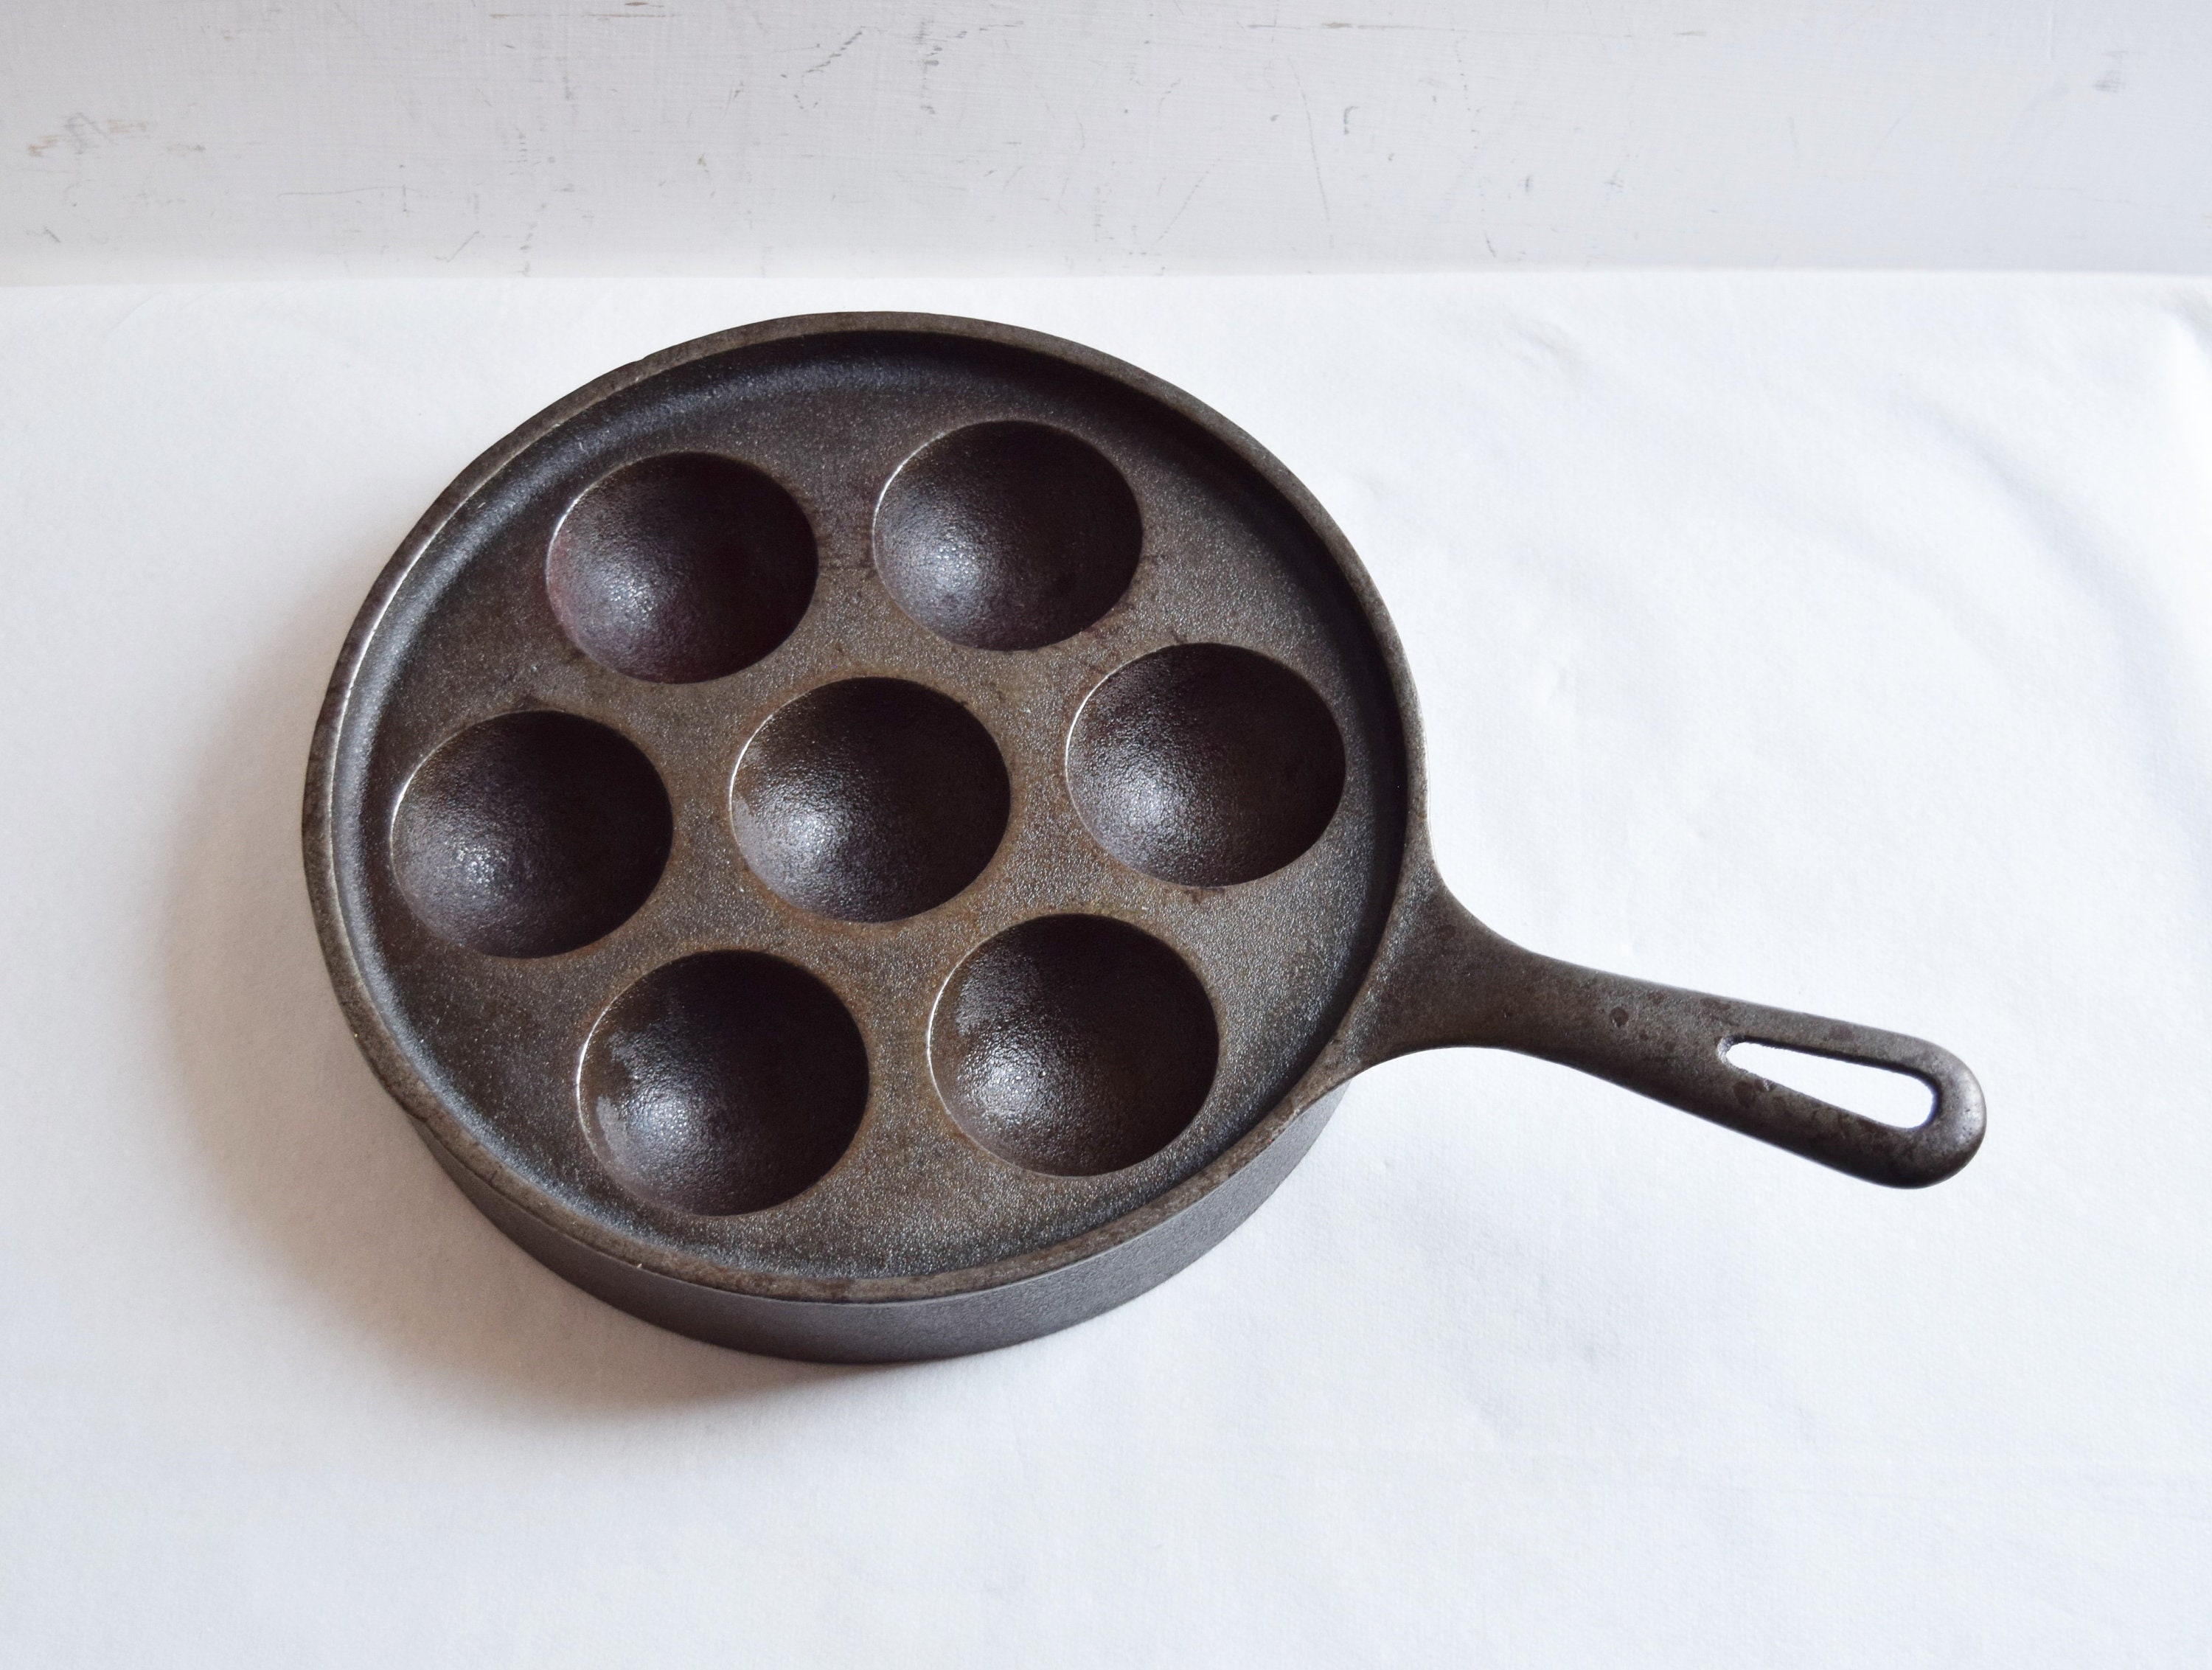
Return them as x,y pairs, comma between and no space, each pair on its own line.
911,1330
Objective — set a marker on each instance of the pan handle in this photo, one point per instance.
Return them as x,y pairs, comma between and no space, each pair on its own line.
1470,986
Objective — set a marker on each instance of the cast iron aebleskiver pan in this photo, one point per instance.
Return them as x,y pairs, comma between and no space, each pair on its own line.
875,836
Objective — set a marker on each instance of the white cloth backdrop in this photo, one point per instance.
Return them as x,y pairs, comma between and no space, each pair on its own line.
1840,643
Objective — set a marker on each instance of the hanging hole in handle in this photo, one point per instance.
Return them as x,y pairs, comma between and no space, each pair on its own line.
1880,1094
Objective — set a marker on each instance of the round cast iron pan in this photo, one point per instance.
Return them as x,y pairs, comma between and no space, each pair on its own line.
877,836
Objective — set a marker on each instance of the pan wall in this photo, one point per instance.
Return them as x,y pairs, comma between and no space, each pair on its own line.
915,1330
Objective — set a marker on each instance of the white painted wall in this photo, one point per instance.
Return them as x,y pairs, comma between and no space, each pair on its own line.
151,138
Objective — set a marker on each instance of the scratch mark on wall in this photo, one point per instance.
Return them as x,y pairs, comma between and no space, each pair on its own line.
1161,237
1888,130
833,57
1375,28
80,134
1313,150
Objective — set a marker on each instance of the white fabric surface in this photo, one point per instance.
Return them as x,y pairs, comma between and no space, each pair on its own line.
1841,643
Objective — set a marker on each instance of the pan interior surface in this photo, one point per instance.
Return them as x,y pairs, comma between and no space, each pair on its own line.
855,800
